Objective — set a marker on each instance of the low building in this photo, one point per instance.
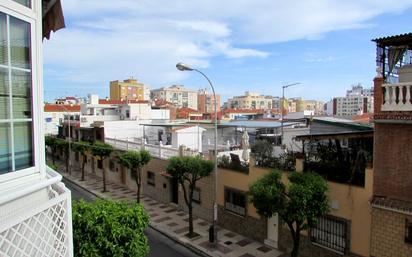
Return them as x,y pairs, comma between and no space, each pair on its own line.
54,114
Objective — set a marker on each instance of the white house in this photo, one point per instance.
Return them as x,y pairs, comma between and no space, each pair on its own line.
54,114
35,206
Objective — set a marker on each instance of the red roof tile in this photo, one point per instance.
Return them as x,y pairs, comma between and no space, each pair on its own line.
110,101
61,108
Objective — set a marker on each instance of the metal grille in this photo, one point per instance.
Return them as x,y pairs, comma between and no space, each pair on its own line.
331,232
44,233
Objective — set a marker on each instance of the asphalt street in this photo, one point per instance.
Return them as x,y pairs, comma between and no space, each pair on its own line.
160,245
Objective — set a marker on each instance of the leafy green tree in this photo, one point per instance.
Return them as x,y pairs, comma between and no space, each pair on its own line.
135,161
188,170
82,148
299,204
109,229
263,152
102,151
64,145
51,142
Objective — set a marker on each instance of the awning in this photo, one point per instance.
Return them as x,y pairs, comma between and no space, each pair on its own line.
53,18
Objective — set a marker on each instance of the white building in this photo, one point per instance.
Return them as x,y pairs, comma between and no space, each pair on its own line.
54,114
35,206
356,102
178,95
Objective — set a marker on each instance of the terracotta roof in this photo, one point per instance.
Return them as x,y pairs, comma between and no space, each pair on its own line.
162,102
110,101
61,108
392,204
364,118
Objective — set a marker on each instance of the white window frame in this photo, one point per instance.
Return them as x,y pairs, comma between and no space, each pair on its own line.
33,16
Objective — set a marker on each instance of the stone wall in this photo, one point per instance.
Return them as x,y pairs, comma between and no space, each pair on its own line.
246,226
388,234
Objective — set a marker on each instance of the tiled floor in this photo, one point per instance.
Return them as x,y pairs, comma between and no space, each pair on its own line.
173,222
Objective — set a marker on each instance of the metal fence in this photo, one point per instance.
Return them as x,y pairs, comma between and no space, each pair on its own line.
332,233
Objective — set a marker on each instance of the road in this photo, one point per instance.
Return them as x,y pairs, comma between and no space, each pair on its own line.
160,246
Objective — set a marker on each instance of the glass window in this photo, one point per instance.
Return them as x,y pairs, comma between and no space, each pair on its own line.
16,124
235,201
24,2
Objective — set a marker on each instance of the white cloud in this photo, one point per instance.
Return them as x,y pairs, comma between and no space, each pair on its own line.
106,40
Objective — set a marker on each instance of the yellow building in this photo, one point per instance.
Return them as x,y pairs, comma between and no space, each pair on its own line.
129,89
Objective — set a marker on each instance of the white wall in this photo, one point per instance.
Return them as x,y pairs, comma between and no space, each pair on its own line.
190,137
159,114
123,129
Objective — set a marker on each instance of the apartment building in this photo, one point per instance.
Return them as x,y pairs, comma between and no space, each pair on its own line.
177,95
206,102
129,89
250,100
392,186
35,216
357,101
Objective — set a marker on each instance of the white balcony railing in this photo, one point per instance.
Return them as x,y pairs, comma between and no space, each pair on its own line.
397,97
36,221
159,151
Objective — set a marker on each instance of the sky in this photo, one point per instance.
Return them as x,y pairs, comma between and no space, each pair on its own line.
242,45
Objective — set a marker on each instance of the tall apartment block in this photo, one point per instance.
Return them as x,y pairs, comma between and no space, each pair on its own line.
357,101
129,89
178,95
206,102
391,234
250,100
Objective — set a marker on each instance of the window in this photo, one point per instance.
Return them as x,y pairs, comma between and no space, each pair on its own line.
408,231
331,232
16,121
26,3
196,195
150,178
99,164
112,165
127,113
235,201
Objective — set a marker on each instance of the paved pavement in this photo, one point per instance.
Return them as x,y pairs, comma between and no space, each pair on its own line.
160,245
172,223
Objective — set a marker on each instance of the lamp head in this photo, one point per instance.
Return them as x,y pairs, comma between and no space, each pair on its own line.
183,67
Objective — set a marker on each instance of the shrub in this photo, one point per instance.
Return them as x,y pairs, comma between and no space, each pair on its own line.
107,228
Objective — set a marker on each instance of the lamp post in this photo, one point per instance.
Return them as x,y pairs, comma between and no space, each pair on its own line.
70,148
184,67
281,112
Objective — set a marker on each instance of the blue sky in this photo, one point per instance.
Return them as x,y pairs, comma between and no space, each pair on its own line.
240,44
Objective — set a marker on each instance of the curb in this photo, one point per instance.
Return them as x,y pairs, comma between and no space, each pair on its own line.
176,240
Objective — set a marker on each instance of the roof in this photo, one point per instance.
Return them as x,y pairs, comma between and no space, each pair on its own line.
396,40
112,101
343,123
186,127
256,124
364,118
392,204
230,110
61,108
328,135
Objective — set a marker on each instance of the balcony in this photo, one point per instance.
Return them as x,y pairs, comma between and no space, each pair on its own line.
36,220
397,97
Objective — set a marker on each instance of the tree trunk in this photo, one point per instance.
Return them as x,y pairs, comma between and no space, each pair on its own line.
67,163
83,163
53,156
191,232
138,183
104,177
296,241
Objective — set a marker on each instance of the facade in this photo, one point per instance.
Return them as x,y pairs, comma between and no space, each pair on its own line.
206,102
250,100
129,89
392,187
356,102
177,95
35,216
55,114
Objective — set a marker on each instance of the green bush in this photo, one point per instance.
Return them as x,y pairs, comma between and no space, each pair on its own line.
108,228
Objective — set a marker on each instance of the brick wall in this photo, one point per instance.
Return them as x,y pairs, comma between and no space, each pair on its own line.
377,94
388,233
393,161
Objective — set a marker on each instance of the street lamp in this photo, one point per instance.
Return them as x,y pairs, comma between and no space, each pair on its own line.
70,148
282,106
184,67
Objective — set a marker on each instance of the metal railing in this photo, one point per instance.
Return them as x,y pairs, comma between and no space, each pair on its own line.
332,233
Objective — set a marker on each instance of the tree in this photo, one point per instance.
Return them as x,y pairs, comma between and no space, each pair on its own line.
188,170
109,228
299,204
102,151
135,161
82,148
63,144
51,142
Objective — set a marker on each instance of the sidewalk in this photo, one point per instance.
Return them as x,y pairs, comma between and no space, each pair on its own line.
172,222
